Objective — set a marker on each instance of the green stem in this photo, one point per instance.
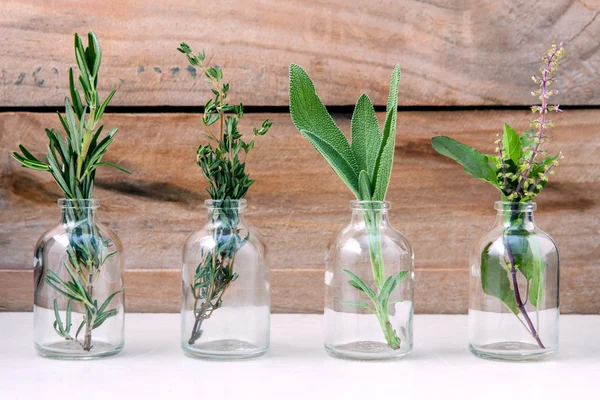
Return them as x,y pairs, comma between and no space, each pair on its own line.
372,222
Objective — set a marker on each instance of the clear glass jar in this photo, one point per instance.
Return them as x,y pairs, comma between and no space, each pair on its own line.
513,301
79,292
369,287
226,308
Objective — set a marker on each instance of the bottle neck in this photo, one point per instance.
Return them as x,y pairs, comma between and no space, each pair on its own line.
75,212
225,212
370,213
515,216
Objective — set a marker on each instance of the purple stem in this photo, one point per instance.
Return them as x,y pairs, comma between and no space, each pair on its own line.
520,305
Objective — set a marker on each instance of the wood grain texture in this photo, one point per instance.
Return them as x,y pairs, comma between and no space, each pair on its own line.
470,52
302,291
298,203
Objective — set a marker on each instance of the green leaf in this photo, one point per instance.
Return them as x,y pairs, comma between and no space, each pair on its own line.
114,166
80,56
494,280
385,158
511,144
69,310
538,269
365,135
57,173
57,318
519,245
475,163
80,328
73,126
359,284
107,301
311,118
390,284
527,141
97,52
103,317
102,107
75,94
364,185
27,163
357,304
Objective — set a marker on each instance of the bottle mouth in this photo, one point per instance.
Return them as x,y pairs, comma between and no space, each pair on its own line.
79,203
225,204
368,205
509,206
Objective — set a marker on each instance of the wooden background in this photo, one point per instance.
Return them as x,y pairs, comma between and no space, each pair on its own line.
466,68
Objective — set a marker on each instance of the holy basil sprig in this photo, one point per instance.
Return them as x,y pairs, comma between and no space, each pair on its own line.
365,166
223,164
520,171
522,168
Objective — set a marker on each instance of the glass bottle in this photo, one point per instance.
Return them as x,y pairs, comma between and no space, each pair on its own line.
369,287
513,301
79,292
226,307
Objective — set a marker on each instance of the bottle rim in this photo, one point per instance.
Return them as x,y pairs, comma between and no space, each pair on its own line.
515,206
225,204
371,205
78,203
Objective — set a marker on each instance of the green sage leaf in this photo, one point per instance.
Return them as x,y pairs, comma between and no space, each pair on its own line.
364,185
385,158
366,135
359,284
311,118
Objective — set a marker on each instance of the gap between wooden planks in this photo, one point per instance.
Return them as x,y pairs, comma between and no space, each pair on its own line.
302,291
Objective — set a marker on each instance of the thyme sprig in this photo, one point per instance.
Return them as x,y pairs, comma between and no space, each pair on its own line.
522,167
73,161
223,163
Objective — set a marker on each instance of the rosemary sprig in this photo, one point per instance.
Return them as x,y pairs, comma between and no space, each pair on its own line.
223,164
73,161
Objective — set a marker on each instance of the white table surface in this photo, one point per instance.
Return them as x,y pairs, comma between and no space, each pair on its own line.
152,366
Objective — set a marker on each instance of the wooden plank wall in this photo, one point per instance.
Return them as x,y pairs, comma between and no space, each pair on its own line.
461,61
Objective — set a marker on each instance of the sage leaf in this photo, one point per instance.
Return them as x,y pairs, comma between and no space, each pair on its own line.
359,284
494,280
365,135
391,283
364,185
311,118
475,163
385,158
357,304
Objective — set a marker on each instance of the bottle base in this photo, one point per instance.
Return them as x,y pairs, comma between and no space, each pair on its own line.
512,352
366,351
225,349
72,350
